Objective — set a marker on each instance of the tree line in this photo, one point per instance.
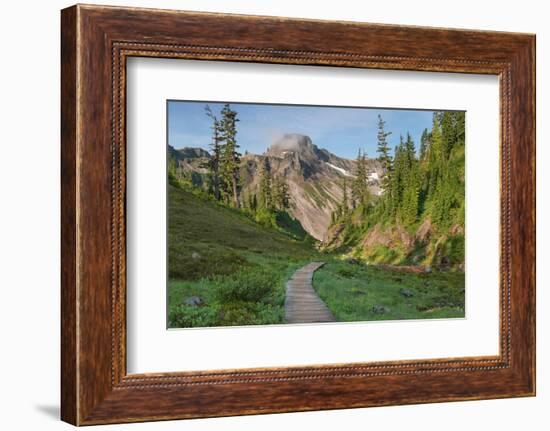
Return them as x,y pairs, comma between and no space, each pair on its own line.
224,182
415,184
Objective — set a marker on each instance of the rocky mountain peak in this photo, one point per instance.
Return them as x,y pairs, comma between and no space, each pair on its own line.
291,142
298,147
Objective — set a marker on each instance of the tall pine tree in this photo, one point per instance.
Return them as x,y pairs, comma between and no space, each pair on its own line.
344,206
265,192
396,185
230,156
360,194
213,163
383,151
411,186
281,195
424,143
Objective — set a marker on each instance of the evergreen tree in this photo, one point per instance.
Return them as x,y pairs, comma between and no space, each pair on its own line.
460,125
285,196
265,191
360,194
448,193
213,164
344,206
384,152
230,156
410,150
435,157
245,201
411,186
396,185
448,132
436,146
424,143
281,196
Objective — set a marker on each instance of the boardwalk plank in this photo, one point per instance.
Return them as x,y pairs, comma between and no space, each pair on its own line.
302,304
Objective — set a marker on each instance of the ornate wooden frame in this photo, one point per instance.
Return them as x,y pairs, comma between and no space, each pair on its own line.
95,43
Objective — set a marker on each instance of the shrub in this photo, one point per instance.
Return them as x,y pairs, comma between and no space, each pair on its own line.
346,271
266,218
254,286
185,316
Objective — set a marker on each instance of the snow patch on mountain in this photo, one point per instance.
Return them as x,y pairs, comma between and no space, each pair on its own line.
342,171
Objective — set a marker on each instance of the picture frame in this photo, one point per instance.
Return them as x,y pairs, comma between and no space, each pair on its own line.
96,41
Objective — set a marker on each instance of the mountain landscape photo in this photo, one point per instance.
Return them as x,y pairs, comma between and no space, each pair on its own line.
304,214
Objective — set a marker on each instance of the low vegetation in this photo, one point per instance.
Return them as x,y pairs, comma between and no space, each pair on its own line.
224,268
355,292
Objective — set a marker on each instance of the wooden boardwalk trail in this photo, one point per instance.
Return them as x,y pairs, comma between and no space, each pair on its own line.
302,304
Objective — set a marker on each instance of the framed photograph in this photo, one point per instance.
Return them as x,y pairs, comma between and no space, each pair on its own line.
263,214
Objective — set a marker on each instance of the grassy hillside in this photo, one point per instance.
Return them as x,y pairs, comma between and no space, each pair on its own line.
236,267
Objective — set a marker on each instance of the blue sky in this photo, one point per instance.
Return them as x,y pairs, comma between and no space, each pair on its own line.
341,131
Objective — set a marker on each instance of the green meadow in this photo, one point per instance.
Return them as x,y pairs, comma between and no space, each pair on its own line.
225,269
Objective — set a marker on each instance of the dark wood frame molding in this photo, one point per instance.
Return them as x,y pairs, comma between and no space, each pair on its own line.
95,43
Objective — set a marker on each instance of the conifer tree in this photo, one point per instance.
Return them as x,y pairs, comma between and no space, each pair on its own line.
285,196
411,187
230,156
424,143
265,191
281,196
410,150
384,152
436,138
460,125
397,179
345,202
447,133
213,164
359,189
245,201
434,157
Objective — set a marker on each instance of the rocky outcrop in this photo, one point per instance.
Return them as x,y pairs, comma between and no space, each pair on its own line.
388,246
190,160
424,231
333,238
392,236
456,230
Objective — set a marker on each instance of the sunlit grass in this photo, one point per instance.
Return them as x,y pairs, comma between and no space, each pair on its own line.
356,292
